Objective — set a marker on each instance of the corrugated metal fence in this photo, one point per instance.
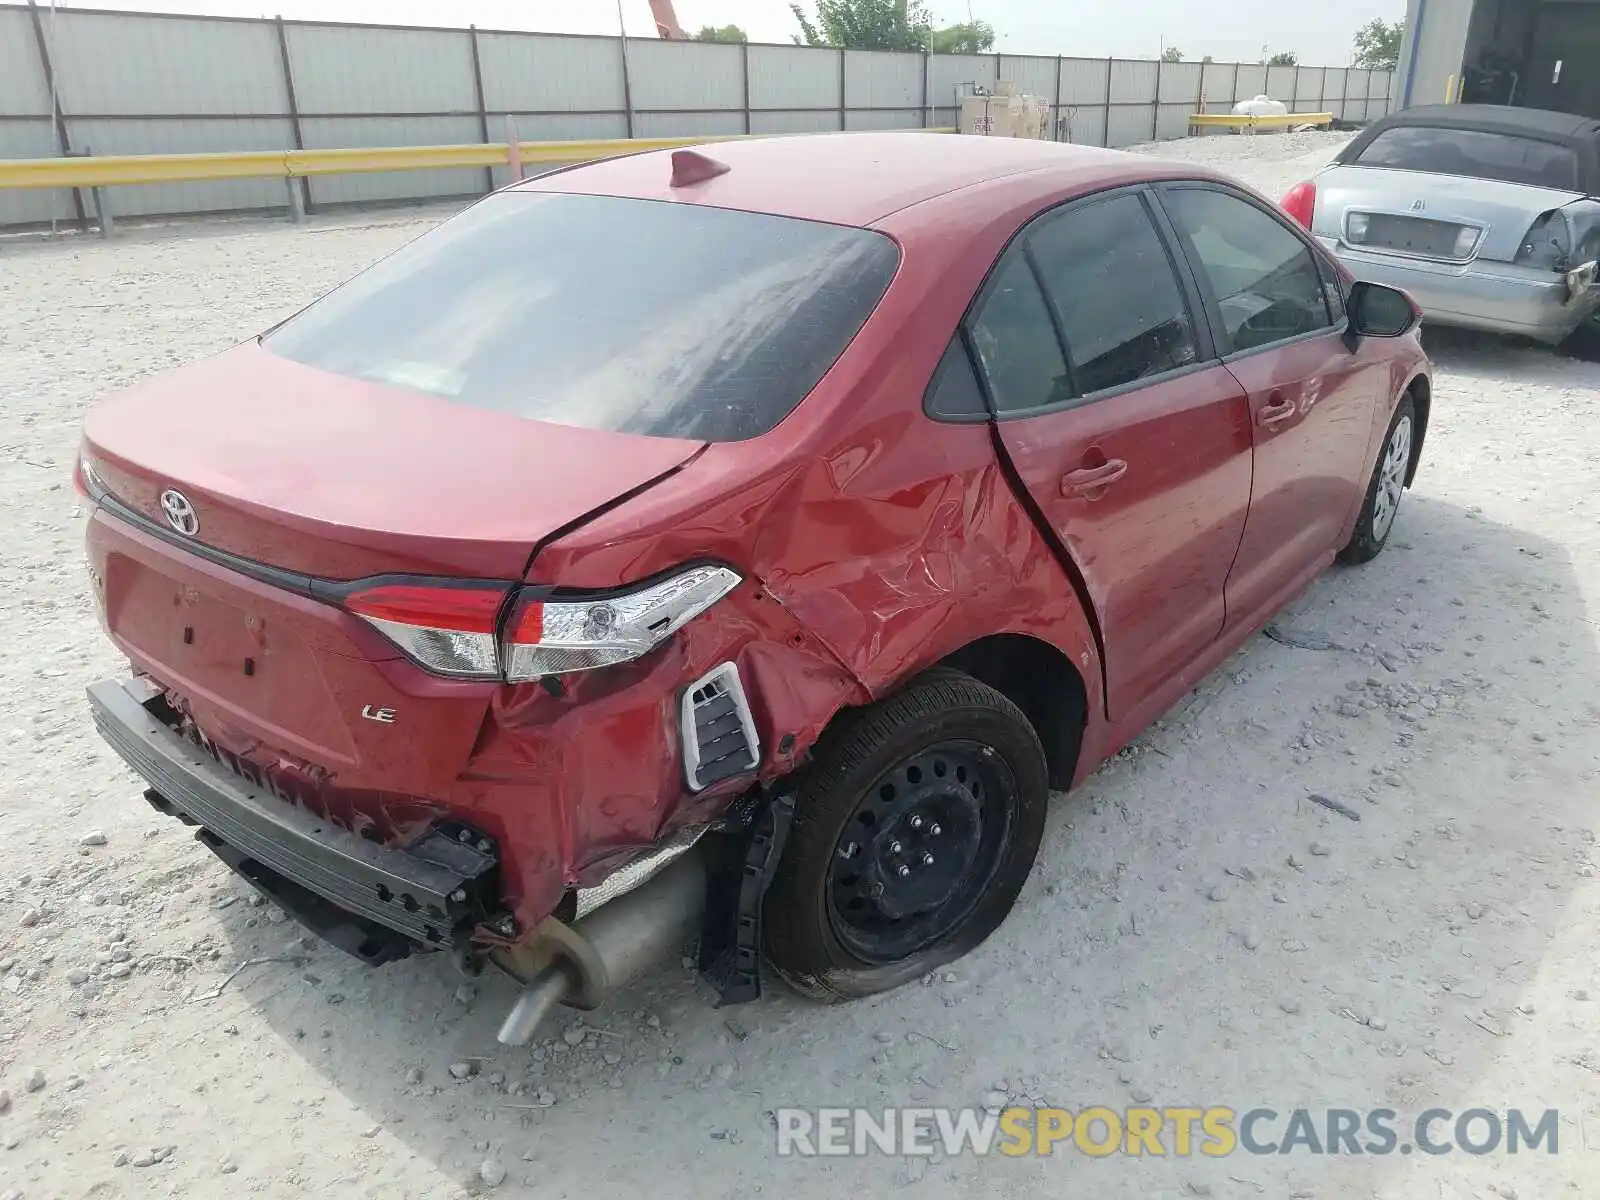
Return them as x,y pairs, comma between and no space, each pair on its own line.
140,83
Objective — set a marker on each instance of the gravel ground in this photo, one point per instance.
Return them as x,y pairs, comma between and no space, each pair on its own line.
1197,931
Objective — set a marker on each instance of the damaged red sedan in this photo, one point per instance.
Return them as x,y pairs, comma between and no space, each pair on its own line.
736,544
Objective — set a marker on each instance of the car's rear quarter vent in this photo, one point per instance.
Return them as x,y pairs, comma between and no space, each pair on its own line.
719,735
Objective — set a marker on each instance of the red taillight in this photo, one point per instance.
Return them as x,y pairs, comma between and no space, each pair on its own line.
1301,202
551,636
453,629
529,625
463,609
446,630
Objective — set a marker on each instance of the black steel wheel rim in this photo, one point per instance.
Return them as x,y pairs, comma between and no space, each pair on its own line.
920,849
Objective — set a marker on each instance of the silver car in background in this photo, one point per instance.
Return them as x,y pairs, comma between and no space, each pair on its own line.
1485,215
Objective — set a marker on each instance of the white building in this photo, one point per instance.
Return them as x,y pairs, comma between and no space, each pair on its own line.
1532,53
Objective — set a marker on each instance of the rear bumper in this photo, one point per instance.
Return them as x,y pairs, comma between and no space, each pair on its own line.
568,788
1494,297
352,891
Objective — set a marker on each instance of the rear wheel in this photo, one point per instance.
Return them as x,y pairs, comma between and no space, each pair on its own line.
1385,488
916,824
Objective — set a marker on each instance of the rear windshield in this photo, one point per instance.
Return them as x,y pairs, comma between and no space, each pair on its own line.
637,316
1475,154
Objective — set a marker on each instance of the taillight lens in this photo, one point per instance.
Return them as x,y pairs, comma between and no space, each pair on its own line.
449,630
455,629
1548,243
86,479
559,637
1301,202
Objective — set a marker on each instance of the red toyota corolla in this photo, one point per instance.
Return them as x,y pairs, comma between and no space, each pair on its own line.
738,544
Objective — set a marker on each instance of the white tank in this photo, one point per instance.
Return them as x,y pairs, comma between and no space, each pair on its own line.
1262,106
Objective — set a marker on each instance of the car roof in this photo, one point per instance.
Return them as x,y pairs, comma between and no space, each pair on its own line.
852,178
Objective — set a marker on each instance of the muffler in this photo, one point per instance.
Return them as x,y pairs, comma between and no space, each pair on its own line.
579,965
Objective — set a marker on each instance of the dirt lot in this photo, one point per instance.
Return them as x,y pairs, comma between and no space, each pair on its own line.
1197,931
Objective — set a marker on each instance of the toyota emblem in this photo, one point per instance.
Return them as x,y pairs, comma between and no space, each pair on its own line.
180,513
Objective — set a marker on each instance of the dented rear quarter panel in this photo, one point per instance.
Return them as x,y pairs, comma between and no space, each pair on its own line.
888,540
576,784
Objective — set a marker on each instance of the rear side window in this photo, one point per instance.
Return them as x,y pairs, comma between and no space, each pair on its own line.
1475,154
1017,344
954,394
1263,277
636,316
1122,312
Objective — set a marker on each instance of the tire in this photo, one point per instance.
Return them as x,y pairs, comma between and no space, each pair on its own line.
1584,341
842,919
1388,483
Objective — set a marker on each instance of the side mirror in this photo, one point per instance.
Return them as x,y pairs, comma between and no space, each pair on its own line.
1378,311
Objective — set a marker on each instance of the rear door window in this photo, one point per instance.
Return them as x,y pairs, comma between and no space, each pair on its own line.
1475,154
637,316
1122,311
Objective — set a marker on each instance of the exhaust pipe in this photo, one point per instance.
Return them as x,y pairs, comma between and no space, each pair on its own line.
585,962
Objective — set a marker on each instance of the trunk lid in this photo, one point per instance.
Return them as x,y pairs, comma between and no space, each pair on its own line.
1504,211
302,474
320,474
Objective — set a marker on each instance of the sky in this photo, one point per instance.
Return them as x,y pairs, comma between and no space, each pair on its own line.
1228,30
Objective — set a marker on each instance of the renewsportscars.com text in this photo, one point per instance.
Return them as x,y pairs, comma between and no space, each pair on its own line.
1215,1132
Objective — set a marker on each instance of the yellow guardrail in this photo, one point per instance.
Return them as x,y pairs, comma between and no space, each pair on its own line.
112,170
1246,121
136,168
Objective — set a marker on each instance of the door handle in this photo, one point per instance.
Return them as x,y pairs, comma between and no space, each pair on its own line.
1275,411
1093,479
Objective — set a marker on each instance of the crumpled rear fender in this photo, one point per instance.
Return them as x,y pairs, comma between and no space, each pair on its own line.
864,567
574,785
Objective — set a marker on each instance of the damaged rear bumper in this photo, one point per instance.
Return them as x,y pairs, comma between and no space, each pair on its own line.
381,903
375,901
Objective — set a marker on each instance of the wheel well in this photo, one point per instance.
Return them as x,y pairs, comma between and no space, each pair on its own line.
1421,401
1041,681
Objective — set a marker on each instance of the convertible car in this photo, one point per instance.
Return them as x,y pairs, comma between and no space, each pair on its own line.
1485,215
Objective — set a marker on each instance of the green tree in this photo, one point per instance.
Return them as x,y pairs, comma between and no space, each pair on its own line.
1378,44
866,25
1172,54
1208,59
971,37
723,33
1283,58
